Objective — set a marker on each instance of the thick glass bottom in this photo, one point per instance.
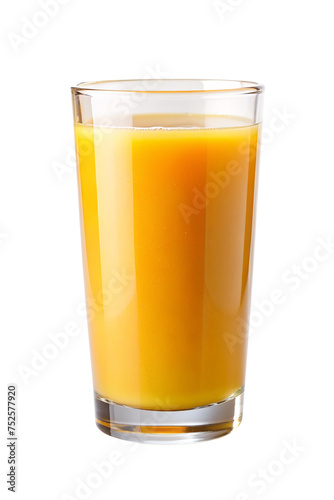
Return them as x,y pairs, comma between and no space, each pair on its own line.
182,426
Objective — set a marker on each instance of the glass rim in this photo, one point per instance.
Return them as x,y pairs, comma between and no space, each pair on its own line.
217,86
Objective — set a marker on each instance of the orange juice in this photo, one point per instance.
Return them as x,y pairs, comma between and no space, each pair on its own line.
167,221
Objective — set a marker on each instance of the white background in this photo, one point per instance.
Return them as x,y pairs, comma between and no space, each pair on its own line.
285,45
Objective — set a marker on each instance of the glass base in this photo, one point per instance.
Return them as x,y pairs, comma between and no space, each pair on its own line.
182,426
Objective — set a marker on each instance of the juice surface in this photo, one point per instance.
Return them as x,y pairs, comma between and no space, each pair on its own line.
167,220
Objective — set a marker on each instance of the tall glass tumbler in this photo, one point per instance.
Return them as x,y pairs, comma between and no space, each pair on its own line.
167,173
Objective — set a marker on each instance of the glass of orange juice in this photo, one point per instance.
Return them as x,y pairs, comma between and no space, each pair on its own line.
167,174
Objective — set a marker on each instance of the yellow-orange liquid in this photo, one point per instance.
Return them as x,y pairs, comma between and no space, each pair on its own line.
167,218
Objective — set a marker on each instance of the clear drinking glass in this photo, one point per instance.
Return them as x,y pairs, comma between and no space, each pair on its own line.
167,174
